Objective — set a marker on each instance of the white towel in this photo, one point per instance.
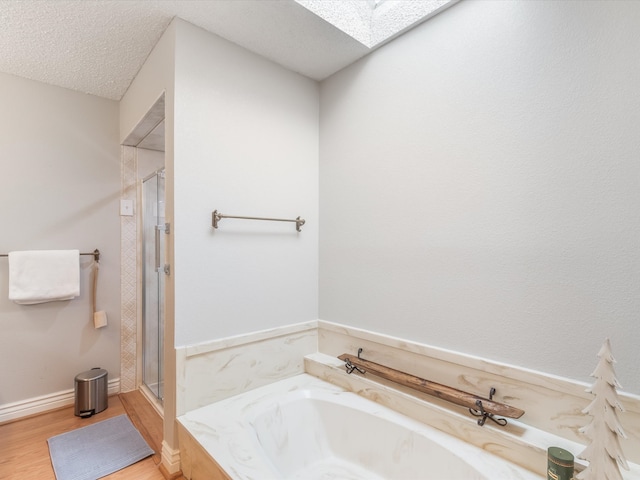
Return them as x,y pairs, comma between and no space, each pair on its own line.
40,276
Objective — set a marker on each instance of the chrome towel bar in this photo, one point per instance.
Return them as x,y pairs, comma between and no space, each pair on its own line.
216,217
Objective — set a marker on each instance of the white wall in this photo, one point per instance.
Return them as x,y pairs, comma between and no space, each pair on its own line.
480,185
60,164
246,143
155,78
149,161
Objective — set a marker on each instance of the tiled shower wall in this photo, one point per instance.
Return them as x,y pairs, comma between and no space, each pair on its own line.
128,273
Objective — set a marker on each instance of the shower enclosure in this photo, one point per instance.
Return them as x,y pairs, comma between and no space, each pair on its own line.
153,228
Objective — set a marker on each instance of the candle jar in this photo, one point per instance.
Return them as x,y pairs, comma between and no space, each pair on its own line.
559,464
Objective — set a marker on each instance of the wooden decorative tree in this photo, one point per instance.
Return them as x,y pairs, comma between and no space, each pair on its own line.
603,452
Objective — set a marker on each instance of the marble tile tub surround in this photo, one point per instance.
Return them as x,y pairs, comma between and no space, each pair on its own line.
255,435
217,370
212,371
518,443
552,404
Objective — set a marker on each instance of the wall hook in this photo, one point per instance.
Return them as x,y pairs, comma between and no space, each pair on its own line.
480,412
350,367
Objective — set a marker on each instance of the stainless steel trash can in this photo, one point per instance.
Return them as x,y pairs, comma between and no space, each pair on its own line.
90,392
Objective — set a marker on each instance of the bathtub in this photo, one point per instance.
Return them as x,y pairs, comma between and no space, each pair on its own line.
306,428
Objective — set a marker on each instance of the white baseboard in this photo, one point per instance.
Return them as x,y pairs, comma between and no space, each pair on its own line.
44,403
170,458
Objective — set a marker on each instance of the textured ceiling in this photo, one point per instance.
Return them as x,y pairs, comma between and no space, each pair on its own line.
98,46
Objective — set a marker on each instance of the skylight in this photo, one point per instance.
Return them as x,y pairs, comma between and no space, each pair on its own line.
372,22
374,3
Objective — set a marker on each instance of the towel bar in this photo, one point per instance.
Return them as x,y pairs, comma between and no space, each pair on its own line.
216,217
95,254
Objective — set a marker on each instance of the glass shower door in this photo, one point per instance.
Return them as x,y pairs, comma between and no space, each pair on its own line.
153,239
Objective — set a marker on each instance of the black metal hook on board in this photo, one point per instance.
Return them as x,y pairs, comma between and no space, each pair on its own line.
480,412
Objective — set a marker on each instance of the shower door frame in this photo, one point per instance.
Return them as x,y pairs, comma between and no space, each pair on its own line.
156,396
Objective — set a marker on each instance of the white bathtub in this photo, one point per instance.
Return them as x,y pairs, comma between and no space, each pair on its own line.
305,428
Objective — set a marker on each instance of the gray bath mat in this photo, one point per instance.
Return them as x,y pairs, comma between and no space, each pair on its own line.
95,451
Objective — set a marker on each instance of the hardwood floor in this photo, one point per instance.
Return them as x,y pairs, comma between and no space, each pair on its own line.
24,452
